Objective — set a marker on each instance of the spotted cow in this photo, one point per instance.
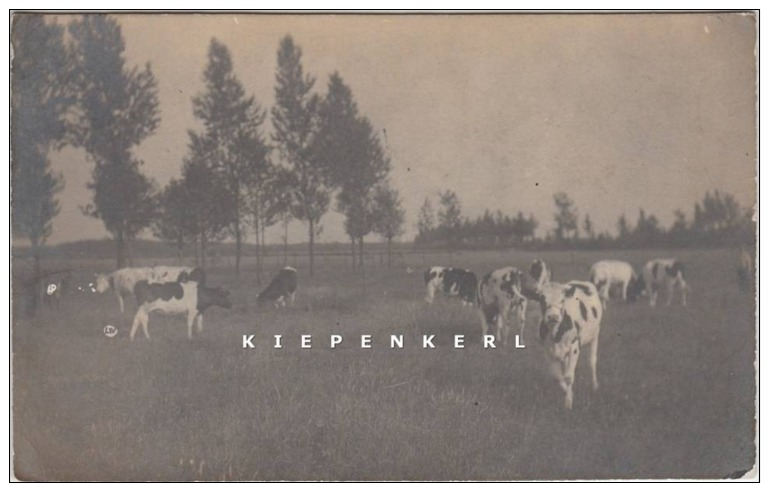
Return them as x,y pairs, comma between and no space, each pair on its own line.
189,298
281,288
499,292
571,318
667,273
454,282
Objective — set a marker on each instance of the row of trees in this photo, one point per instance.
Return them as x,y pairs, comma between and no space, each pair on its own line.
718,220
235,177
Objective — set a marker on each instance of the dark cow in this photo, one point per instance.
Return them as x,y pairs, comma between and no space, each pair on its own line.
281,288
190,298
454,282
667,273
498,293
571,318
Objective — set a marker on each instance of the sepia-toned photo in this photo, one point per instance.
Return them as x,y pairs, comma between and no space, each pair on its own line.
347,246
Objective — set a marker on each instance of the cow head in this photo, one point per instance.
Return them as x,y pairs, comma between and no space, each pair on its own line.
215,296
102,283
635,288
555,321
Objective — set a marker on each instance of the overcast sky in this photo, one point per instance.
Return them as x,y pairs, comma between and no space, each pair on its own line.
620,111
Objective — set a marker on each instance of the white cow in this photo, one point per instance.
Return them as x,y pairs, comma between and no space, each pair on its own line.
571,318
667,273
609,273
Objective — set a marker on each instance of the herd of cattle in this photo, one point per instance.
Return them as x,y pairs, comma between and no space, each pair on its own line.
571,312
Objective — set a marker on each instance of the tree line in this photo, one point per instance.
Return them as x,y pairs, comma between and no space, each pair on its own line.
718,221
236,178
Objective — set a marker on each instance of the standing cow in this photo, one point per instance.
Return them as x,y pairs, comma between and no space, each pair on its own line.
610,273
123,280
571,318
281,288
454,282
667,273
501,291
188,298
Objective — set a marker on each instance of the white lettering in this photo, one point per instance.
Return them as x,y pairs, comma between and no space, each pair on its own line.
365,342
335,340
396,340
488,341
278,345
518,344
459,341
248,342
306,342
427,341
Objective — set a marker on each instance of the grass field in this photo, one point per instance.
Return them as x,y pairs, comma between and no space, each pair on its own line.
676,398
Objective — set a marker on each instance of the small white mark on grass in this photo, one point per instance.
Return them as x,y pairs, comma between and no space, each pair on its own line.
236,20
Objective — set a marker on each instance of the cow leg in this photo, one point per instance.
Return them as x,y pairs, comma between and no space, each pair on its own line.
594,361
140,318
199,323
484,323
503,324
522,316
684,289
122,305
190,321
568,367
652,295
293,296
430,293
624,289
670,286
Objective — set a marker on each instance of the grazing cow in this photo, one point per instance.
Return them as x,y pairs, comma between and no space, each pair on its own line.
281,288
163,273
540,272
571,318
190,298
667,273
610,273
454,282
499,292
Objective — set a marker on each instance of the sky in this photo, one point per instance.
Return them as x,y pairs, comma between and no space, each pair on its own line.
622,112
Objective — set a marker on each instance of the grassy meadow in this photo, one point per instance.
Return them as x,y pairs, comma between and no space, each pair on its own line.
676,398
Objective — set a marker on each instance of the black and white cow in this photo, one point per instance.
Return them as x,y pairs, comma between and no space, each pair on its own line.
123,280
540,272
614,273
499,292
667,273
454,282
188,298
281,288
571,318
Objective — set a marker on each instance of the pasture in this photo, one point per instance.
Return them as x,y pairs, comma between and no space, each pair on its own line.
676,398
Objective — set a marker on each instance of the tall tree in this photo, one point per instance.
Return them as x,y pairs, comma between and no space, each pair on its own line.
174,222
566,218
389,216
231,137
587,225
295,122
210,206
41,96
425,221
117,109
352,154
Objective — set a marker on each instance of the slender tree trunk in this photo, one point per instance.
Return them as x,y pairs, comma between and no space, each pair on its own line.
179,250
195,250
203,243
360,252
263,245
36,286
312,243
129,251
389,251
352,246
285,244
258,257
238,244
120,247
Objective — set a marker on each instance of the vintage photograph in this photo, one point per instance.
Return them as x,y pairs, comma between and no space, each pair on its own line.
348,246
